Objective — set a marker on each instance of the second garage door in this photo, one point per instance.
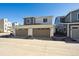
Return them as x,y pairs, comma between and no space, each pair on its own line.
41,32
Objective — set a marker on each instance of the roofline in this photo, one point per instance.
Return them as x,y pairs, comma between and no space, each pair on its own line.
37,16
71,12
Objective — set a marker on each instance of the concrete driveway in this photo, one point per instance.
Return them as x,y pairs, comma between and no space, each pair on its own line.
25,47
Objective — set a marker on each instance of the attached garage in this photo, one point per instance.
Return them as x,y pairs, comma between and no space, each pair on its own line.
21,32
75,32
41,32
72,30
35,31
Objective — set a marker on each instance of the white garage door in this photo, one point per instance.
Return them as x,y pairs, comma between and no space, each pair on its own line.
75,33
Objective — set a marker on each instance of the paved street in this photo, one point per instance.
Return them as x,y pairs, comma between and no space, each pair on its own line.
21,47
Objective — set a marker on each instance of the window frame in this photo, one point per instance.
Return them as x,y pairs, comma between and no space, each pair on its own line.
45,20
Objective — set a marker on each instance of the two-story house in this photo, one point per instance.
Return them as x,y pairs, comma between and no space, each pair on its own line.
36,27
70,24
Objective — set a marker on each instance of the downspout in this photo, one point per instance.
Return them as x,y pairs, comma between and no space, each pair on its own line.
68,30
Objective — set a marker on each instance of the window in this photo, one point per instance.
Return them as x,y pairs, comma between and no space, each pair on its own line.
28,21
78,16
5,28
45,20
62,20
31,21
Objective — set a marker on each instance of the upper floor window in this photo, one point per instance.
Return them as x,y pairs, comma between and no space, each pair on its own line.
45,20
62,20
31,20
78,16
28,21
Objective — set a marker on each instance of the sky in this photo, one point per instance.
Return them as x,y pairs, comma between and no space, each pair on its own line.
15,12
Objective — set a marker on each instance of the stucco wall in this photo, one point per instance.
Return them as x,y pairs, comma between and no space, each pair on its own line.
40,20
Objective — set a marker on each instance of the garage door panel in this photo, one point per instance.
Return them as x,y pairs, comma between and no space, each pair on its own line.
22,32
41,32
75,33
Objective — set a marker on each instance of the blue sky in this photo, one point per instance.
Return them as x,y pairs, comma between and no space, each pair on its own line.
16,12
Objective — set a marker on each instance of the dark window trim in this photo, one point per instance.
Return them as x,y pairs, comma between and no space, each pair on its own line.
44,20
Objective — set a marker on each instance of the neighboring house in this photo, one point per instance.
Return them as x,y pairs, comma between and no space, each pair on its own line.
5,25
59,19
40,27
60,27
71,23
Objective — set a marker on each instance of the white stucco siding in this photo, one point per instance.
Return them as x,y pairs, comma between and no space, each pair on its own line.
40,20
30,31
52,31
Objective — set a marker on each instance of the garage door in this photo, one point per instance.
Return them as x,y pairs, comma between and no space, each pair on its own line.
41,32
75,33
21,32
